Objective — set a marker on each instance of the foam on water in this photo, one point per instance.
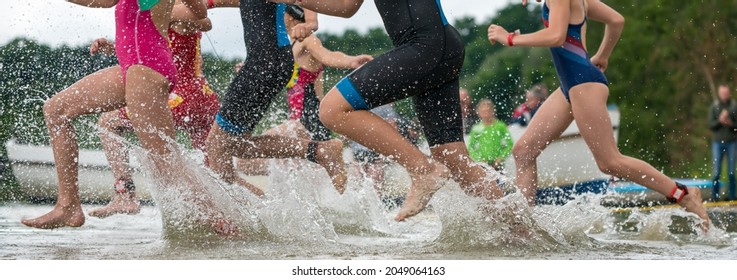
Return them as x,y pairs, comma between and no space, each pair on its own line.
510,226
192,197
303,209
470,223
301,204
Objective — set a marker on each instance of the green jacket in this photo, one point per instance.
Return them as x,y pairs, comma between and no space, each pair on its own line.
489,143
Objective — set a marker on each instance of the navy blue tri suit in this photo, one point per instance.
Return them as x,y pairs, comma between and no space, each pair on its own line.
425,64
571,60
266,71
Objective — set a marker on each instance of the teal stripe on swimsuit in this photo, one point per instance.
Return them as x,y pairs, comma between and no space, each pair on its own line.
442,14
349,92
146,5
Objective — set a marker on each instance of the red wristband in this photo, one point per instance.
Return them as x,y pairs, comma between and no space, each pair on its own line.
510,42
210,4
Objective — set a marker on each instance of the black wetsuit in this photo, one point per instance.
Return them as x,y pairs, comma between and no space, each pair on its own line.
266,71
310,118
425,64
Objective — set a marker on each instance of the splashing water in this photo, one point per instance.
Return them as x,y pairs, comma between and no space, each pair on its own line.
302,211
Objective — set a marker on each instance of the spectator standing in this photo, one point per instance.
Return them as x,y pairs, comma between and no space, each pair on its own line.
490,141
722,120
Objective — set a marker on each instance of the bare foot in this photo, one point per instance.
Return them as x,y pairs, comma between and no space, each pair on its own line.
423,188
122,203
212,215
330,155
225,228
71,216
693,203
220,160
255,190
487,187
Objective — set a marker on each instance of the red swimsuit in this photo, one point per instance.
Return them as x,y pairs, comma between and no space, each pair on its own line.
193,103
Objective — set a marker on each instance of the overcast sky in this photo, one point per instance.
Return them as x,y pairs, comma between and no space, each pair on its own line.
57,22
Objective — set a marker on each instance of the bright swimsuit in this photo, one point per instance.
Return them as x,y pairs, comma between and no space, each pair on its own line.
571,60
193,103
138,42
296,89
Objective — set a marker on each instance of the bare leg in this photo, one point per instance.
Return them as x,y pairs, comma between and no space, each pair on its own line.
259,166
222,147
589,109
470,176
99,92
374,133
375,171
116,152
548,124
253,167
147,94
290,128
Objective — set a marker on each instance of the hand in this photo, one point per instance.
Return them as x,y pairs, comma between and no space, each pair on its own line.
724,118
102,45
600,62
360,60
524,2
497,33
301,31
725,121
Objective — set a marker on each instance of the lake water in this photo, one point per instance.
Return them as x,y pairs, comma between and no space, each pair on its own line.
304,218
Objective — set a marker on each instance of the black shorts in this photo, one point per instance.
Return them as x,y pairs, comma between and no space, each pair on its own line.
266,71
425,69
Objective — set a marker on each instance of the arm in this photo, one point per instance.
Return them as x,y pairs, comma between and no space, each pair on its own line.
507,138
713,119
191,10
102,45
614,24
553,36
333,59
223,4
95,3
303,30
311,20
319,87
339,8
204,25
732,115
472,145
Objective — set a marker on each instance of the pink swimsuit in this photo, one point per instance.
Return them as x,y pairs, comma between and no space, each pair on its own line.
296,91
138,42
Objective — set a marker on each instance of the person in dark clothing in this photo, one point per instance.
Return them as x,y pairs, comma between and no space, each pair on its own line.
425,64
266,70
722,120
534,98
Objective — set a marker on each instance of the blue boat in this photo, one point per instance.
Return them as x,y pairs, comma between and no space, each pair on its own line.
616,193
